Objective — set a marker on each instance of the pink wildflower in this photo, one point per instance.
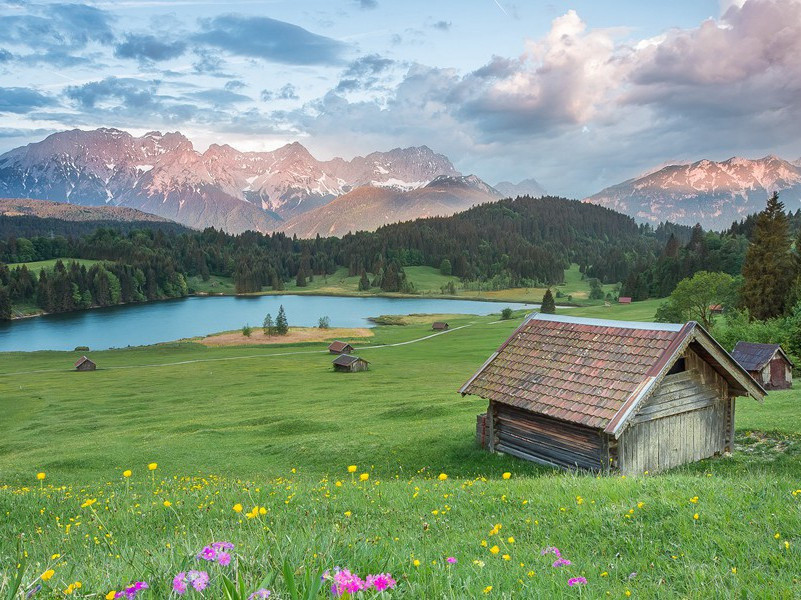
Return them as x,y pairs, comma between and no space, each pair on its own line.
552,550
130,592
179,583
451,559
208,553
346,582
260,594
382,581
577,581
198,579
561,562
224,559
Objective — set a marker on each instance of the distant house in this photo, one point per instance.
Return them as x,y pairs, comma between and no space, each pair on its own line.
624,300
84,364
439,326
338,347
716,309
350,364
767,363
608,395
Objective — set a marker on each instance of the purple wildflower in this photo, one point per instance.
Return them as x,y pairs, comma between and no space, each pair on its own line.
198,579
130,592
222,546
224,559
179,583
551,549
451,559
346,582
208,553
382,581
577,581
561,562
260,594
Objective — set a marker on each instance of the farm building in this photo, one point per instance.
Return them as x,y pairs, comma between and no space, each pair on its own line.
624,300
338,347
716,309
610,395
350,364
84,364
439,326
767,363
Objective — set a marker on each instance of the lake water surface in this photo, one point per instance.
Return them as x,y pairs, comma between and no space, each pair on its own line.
142,324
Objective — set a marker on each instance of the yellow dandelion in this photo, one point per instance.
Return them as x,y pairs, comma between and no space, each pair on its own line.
777,535
694,499
364,476
442,477
695,516
734,570
262,511
167,504
153,466
352,468
47,575
488,589
511,540
628,593
55,557
506,475
348,513
786,545
237,508
416,563
126,473
111,595
40,476
495,549
605,574
506,557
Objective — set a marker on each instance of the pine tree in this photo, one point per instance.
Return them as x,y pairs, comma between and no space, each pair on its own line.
5,305
768,265
548,305
364,283
267,325
300,280
281,324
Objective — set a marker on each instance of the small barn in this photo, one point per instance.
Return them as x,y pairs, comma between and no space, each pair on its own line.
350,364
767,363
84,364
439,326
338,347
716,309
609,395
624,300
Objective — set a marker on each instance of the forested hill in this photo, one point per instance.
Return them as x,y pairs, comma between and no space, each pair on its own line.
520,242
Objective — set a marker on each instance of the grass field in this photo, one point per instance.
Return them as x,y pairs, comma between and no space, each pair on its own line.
276,428
48,265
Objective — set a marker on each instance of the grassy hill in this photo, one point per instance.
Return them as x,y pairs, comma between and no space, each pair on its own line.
275,427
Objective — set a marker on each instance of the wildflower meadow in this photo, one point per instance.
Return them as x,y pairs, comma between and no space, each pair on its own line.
231,480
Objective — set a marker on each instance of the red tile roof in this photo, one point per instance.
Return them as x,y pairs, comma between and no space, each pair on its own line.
578,370
338,346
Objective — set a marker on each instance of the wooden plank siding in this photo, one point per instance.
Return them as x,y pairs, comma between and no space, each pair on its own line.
689,417
548,441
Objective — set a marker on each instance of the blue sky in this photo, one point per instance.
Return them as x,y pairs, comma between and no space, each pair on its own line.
579,95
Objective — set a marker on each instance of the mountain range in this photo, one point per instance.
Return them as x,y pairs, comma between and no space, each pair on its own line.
711,193
163,174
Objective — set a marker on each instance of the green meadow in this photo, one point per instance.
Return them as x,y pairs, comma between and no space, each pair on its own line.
274,428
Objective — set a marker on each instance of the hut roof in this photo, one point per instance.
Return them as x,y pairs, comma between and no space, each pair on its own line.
439,325
338,346
345,360
80,361
754,357
624,300
594,372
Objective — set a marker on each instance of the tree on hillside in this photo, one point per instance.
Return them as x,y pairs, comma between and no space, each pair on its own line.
445,267
300,280
5,305
693,298
281,324
548,305
267,325
767,271
364,283
596,291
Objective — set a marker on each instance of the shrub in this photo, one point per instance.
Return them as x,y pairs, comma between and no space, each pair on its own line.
506,313
81,348
323,323
247,330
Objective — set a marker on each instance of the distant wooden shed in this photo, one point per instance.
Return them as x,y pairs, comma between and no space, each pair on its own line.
716,309
609,395
767,363
84,364
439,326
624,300
338,347
350,364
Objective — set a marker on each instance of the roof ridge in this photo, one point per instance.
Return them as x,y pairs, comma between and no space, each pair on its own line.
676,327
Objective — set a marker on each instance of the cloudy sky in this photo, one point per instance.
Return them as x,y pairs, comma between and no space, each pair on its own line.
579,95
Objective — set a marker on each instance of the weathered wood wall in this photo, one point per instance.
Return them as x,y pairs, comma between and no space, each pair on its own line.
545,440
689,417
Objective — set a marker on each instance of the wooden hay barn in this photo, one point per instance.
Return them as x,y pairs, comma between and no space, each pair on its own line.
767,363
624,300
439,326
608,395
338,347
84,364
350,364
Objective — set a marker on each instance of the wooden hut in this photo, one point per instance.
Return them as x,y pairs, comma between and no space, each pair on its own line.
716,309
624,300
350,364
609,395
84,364
439,326
338,347
767,363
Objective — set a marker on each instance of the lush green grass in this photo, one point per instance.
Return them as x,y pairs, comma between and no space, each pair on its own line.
263,427
636,311
214,285
48,265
